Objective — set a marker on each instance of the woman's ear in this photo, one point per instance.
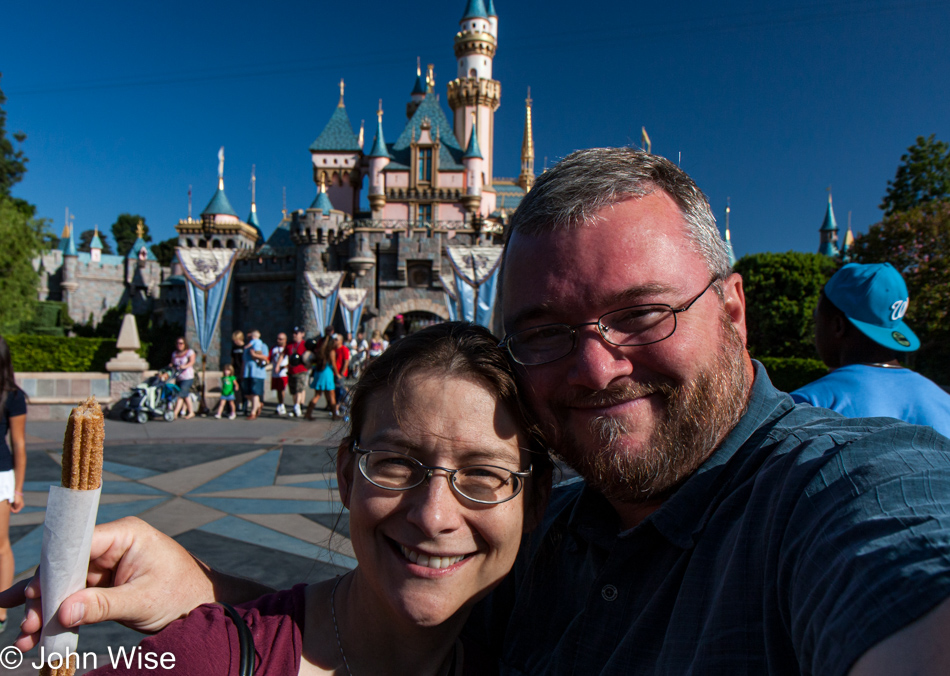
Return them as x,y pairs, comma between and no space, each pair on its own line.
344,471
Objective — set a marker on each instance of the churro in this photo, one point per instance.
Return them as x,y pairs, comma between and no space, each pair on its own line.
82,470
82,447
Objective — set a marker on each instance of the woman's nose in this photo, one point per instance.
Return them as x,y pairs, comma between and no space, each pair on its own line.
434,507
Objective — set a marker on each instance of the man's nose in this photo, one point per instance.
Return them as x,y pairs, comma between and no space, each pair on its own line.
434,508
595,363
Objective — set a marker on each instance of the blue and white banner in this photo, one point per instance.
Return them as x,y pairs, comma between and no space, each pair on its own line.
324,292
207,277
451,297
351,307
476,278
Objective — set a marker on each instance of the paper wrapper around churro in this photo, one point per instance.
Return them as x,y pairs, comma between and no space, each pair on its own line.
67,530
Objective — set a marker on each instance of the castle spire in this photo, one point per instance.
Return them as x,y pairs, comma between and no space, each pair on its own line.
732,255
342,86
473,150
828,232
379,143
252,217
526,179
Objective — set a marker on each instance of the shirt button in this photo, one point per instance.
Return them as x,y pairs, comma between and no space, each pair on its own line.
609,593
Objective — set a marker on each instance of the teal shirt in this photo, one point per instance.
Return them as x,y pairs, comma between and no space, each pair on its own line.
803,541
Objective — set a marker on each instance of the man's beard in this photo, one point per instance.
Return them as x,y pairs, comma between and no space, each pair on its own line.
698,415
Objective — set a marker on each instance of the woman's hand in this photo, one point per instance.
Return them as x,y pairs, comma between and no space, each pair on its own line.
17,504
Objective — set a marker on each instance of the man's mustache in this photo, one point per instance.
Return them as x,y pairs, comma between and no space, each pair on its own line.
615,394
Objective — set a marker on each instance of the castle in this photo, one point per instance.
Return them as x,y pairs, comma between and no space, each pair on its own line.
433,186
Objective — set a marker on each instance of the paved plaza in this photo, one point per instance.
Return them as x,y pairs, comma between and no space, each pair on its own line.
253,498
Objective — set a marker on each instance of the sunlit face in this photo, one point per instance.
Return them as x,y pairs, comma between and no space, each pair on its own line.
632,420
426,553
281,339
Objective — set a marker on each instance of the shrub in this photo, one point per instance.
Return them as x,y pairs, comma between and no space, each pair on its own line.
790,373
44,354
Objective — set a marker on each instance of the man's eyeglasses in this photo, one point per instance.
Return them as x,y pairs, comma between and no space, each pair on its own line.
484,484
627,327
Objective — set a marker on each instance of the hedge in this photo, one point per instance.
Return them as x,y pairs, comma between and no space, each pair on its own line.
44,354
790,373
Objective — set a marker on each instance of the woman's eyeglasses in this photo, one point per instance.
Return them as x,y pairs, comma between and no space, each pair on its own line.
484,484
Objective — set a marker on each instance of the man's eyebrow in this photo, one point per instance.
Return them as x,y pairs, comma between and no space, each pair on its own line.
643,293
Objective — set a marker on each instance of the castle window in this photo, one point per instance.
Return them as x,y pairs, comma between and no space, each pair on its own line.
189,243
472,73
419,274
215,244
230,243
424,213
425,164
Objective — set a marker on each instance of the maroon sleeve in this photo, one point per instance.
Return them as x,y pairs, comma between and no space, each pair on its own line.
206,641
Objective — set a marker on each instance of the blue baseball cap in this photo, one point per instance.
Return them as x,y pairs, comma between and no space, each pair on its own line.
874,298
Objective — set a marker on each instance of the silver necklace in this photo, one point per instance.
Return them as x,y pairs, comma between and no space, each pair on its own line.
336,629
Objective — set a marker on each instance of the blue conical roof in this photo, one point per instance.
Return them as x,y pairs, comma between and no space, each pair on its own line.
134,251
337,135
491,8
475,10
829,223
473,150
219,204
420,86
322,203
70,248
252,220
379,143
96,243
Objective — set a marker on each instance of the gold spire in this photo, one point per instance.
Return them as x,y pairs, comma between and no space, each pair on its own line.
526,179
379,111
362,126
140,229
342,86
418,66
253,187
323,181
728,209
430,78
646,140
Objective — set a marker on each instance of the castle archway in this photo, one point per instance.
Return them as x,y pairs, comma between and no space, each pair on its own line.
420,310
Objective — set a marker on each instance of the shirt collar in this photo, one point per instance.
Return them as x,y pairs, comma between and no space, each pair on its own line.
684,514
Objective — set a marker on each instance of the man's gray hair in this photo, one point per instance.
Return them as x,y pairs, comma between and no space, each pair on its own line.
587,181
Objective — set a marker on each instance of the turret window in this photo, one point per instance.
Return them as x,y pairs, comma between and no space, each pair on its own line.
424,213
425,165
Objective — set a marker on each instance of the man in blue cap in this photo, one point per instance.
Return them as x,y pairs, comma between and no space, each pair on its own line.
860,333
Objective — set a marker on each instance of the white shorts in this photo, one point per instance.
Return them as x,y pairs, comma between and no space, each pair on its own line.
7,486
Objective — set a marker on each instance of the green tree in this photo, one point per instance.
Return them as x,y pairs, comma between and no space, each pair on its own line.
917,243
923,176
22,242
781,291
12,163
165,251
85,242
124,232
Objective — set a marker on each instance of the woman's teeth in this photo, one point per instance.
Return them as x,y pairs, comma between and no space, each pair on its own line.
436,562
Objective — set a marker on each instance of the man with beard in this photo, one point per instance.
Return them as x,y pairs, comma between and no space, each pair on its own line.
718,528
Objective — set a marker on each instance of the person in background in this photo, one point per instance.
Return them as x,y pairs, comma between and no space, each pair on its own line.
358,351
183,360
377,345
229,386
12,463
297,370
399,329
860,333
255,363
280,361
237,361
323,380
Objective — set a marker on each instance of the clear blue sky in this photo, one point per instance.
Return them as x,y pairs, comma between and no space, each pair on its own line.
125,104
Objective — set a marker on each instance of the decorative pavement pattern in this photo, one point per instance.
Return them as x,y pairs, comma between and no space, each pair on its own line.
264,507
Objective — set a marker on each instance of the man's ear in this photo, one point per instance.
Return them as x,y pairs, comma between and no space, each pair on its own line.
344,471
733,301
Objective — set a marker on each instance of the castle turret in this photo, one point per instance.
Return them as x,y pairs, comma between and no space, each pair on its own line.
379,157
473,161
336,156
492,17
219,226
526,178
474,90
829,232
95,247
418,91
252,217
70,280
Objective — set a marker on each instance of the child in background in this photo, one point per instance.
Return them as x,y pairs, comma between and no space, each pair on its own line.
229,385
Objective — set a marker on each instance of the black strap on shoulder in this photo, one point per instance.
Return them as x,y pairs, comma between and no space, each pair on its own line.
245,641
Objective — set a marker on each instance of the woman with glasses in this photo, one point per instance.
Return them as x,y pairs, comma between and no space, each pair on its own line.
442,475
183,361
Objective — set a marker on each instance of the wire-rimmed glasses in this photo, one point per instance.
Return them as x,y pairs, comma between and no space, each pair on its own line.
484,484
626,327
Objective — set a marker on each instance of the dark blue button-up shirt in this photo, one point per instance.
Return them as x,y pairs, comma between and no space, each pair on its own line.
804,540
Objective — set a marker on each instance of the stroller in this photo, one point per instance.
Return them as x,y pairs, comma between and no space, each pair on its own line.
153,398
